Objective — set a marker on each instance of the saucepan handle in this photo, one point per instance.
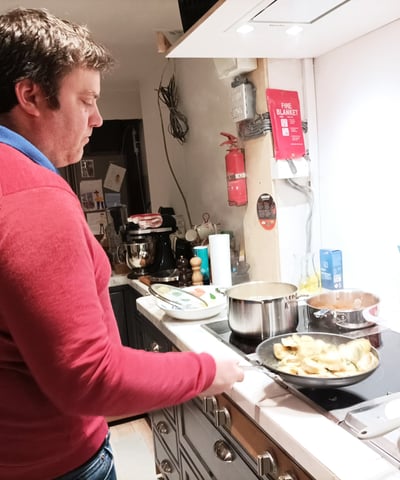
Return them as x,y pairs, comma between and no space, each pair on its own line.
323,313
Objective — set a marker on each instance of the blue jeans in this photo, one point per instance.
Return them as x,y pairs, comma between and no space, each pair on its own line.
99,467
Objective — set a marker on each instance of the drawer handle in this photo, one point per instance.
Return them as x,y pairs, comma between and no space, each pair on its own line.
210,405
287,476
222,418
162,428
223,452
266,465
166,466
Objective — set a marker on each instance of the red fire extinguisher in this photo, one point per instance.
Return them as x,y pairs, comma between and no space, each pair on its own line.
235,172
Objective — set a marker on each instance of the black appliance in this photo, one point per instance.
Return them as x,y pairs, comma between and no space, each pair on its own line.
149,251
192,10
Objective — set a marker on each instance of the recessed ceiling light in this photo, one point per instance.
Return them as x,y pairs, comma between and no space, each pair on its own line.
245,28
295,30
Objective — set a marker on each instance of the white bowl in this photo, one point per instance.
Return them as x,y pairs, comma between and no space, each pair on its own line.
216,304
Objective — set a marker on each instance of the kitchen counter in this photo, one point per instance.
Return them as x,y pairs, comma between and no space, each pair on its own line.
117,280
317,443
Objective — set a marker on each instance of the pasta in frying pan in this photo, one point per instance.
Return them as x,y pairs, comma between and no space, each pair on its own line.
308,356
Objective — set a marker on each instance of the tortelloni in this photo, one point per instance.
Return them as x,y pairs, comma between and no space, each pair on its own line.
308,356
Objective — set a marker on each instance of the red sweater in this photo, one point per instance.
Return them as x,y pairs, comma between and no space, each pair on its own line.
62,365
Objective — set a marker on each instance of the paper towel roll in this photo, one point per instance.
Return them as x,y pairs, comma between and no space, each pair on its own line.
220,259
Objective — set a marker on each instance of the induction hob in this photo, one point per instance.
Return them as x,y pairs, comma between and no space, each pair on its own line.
336,403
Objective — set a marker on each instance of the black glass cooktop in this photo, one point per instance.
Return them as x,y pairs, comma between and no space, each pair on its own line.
385,380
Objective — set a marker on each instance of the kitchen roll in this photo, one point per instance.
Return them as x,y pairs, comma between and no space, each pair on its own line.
220,259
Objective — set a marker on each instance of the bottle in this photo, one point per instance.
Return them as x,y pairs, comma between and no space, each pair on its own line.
184,279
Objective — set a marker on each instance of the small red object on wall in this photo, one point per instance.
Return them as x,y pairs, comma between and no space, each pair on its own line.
287,133
235,172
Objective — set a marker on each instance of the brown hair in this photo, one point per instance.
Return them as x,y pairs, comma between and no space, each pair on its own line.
37,45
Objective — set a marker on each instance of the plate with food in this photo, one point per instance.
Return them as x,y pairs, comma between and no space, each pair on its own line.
318,360
189,303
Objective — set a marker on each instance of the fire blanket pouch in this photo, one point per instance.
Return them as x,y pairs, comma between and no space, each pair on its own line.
287,133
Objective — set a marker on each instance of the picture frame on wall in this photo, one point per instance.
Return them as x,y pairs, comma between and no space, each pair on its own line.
87,168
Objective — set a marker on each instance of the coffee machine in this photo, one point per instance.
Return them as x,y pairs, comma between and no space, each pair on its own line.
148,251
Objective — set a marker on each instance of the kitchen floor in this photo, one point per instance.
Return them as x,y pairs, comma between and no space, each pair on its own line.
132,443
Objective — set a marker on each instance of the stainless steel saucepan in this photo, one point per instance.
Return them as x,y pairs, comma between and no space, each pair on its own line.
262,309
348,308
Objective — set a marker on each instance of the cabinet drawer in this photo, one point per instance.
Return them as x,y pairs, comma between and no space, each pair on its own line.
165,463
189,471
164,428
257,443
218,456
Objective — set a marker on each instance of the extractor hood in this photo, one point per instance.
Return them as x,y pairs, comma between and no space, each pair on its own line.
292,12
324,25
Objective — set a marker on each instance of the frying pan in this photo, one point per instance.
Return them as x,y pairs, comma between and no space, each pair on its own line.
265,356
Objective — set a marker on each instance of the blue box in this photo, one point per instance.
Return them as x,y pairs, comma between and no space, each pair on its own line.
331,268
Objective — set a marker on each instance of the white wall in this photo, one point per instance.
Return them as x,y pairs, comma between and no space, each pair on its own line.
358,105
206,102
199,163
295,209
119,105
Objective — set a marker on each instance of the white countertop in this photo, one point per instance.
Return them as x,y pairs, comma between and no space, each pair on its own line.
117,280
317,443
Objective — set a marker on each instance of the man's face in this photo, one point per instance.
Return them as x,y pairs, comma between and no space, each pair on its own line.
68,129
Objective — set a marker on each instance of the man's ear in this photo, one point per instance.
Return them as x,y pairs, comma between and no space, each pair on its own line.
30,96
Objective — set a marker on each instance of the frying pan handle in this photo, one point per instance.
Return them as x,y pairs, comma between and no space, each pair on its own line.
380,429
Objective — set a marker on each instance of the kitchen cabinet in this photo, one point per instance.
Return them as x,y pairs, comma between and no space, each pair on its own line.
209,449
213,438
149,338
229,445
324,26
123,300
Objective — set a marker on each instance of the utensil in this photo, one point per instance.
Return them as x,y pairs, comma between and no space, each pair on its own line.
262,309
379,429
266,357
375,418
178,297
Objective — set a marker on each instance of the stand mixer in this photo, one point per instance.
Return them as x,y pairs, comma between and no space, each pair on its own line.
148,251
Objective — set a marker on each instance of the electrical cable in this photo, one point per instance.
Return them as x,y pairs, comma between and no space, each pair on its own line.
160,97
307,191
178,126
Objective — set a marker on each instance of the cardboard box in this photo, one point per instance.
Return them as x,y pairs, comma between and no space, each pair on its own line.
331,268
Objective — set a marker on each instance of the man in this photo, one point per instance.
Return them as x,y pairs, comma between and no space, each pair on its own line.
62,365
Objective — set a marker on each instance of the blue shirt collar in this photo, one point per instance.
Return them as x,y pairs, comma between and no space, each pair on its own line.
15,140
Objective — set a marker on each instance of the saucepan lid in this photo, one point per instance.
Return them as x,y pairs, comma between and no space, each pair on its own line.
177,297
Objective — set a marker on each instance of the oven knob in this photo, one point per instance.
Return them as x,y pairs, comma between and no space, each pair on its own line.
223,452
155,347
287,476
166,466
266,465
162,428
